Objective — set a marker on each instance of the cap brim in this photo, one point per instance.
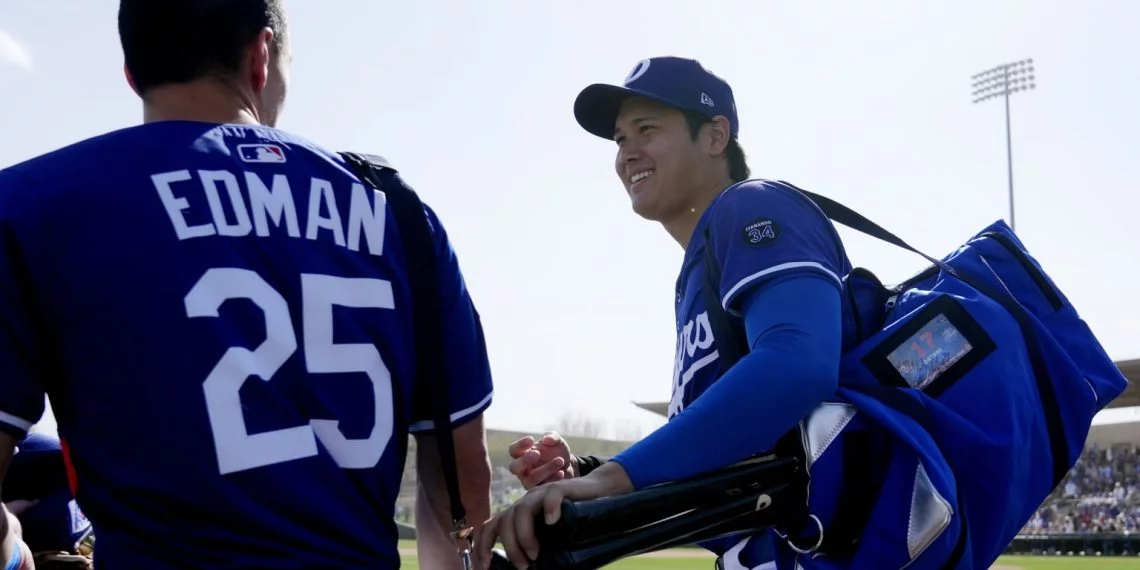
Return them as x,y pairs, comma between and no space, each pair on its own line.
597,107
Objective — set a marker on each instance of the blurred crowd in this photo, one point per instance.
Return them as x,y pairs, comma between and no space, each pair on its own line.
1098,495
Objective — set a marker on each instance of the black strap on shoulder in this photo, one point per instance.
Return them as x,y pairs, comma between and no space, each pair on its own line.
841,214
723,327
419,254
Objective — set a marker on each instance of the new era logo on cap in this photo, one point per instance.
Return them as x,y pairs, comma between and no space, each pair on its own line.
675,81
261,153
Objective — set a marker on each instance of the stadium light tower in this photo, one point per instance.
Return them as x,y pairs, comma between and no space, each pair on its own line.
1003,81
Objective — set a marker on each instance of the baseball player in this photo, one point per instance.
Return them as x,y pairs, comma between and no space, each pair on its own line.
220,312
675,126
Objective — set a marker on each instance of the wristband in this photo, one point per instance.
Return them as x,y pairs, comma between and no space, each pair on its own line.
588,463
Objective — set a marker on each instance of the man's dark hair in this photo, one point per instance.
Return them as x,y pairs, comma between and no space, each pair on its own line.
738,169
176,41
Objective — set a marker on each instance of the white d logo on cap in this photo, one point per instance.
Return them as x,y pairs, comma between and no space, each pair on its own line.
638,70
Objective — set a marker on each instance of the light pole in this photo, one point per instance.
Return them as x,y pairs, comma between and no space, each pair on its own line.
1003,81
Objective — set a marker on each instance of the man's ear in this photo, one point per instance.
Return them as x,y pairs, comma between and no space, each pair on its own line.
260,55
131,80
719,134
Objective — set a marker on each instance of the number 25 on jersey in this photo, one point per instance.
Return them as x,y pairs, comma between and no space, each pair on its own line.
239,450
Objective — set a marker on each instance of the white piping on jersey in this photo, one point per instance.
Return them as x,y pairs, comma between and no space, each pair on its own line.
430,424
15,421
775,269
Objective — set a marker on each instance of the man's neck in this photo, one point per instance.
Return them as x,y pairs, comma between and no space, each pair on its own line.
200,101
682,226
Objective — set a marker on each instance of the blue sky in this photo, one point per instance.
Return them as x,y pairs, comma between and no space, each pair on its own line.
867,102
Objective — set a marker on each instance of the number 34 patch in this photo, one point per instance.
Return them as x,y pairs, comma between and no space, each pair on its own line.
761,233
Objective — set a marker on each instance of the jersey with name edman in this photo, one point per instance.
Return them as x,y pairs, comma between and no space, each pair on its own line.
222,319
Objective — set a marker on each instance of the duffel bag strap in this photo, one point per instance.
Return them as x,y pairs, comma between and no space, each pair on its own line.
841,214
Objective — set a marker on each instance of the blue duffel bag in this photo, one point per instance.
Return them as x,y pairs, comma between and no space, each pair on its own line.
965,395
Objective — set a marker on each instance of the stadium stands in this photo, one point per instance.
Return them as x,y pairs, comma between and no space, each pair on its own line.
1099,495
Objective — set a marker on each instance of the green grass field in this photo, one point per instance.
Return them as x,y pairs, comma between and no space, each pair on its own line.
688,560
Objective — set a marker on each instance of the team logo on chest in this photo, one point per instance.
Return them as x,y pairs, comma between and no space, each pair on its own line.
696,349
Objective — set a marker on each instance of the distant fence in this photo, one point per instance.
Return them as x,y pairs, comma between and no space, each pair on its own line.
1107,544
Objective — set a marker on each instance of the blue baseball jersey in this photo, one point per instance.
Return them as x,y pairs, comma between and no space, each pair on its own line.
760,231
222,319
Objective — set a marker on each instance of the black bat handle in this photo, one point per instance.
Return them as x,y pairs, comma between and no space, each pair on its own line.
553,540
563,531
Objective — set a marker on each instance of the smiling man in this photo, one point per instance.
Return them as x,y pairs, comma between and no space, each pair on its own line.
781,266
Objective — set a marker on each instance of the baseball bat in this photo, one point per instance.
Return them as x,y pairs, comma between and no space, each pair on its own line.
634,542
585,522
747,497
748,512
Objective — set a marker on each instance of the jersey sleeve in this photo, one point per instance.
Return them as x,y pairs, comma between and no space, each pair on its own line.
761,231
465,358
21,388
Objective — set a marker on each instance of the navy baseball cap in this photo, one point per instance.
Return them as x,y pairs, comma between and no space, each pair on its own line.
678,82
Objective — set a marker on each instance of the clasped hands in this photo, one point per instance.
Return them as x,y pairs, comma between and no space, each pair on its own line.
548,471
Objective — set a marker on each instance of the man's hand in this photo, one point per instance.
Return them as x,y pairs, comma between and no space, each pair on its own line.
514,527
542,460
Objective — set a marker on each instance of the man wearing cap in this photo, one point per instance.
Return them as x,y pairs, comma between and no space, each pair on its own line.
781,263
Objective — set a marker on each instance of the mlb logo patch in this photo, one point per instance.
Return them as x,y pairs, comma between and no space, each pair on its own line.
261,153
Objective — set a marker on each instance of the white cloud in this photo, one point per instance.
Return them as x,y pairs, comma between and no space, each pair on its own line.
13,52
